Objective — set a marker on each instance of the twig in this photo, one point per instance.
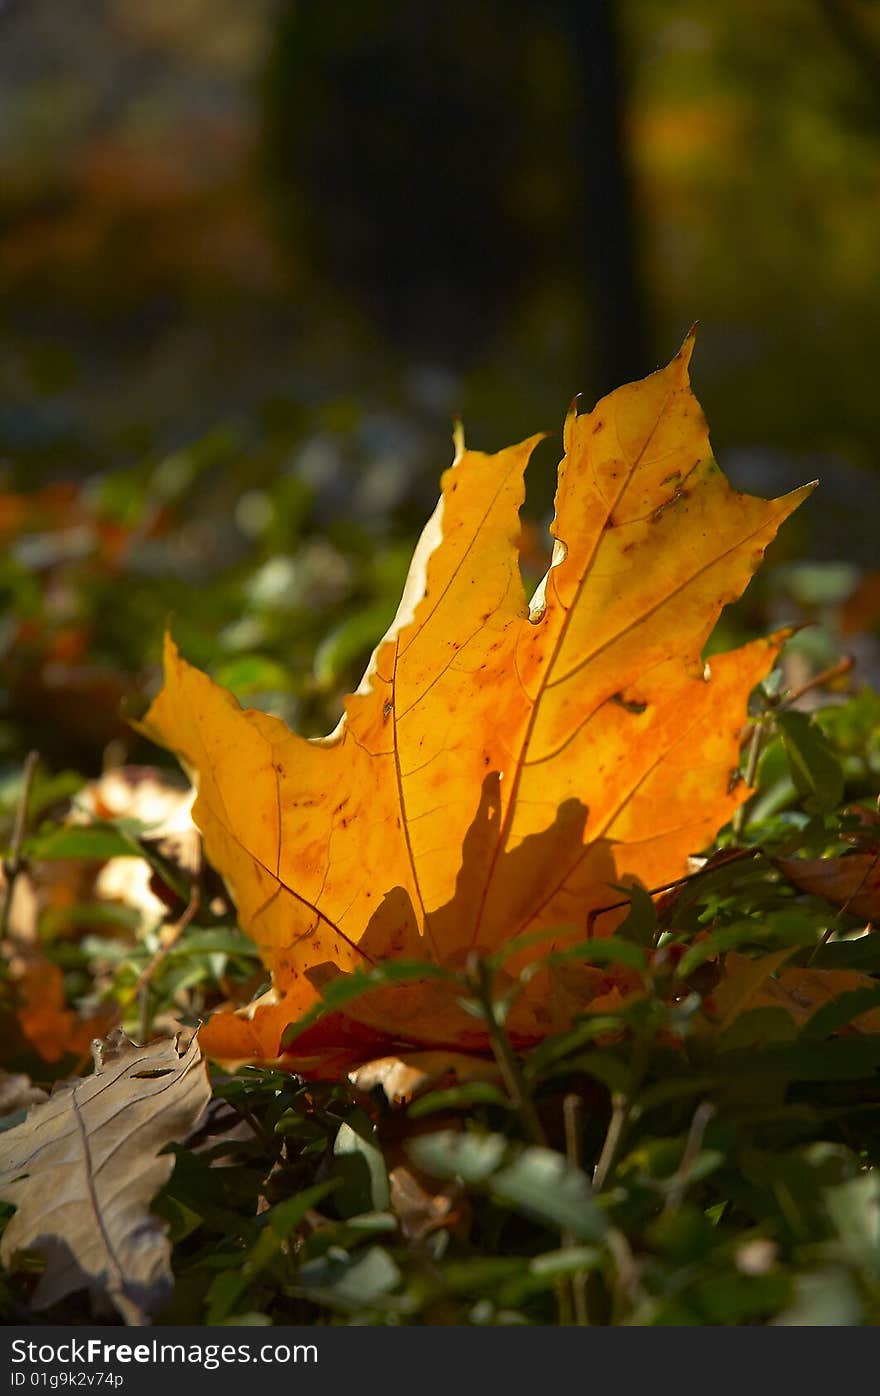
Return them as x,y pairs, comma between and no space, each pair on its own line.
680,1179
628,1279
834,671
14,863
621,1108
141,988
479,980
733,856
613,1136
835,920
572,1114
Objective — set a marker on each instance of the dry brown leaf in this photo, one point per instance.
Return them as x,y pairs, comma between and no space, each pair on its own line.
83,1168
502,762
851,882
423,1204
748,984
802,992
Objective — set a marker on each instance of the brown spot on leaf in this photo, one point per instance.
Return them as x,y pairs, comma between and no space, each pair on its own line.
629,705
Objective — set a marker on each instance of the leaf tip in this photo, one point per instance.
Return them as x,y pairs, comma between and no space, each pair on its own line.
458,439
570,419
686,351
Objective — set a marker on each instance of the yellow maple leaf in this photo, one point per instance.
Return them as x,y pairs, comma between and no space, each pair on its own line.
502,762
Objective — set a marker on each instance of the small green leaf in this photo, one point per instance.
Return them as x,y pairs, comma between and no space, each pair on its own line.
286,1216
600,952
569,1260
216,940
349,641
359,1164
346,987
851,1058
787,926
458,1098
545,1186
862,952
814,768
92,842
351,1284
840,1012
451,1154
564,1044
640,925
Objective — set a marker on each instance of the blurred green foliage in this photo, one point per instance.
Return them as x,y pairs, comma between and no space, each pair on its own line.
246,289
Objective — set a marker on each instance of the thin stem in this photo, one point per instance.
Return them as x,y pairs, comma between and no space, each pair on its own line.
756,741
572,1115
628,1282
613,1136
678,1184
172,936
14,863
480,983
825,676
141,989
621,1108
835,922
733,856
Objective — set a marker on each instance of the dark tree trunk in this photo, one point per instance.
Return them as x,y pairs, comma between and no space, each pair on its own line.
621,349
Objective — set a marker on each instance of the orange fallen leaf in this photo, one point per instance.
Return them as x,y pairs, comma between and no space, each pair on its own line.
502,762
52,1028
862,611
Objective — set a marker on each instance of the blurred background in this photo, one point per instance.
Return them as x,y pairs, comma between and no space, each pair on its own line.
255,257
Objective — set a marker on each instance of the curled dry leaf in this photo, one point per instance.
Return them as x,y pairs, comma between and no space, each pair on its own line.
411,1074
83,1168
502,762
146,794
423,1204
17,1092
